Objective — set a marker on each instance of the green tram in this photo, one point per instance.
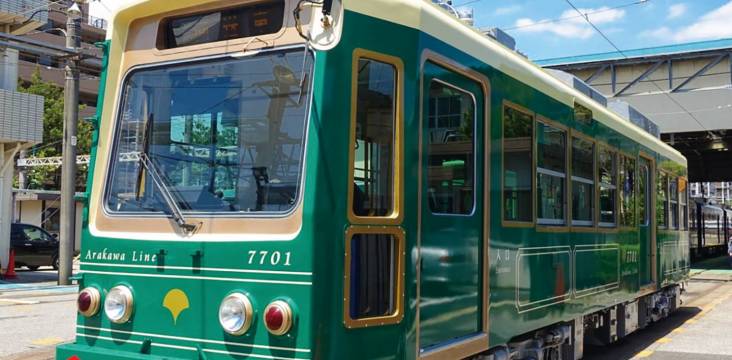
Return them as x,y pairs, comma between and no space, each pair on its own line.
354,179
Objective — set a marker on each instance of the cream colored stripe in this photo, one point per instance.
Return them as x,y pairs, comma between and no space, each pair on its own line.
255,346
307,283
423,15
274,272
190,348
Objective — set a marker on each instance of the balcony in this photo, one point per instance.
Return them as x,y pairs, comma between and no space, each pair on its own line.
15,14
88,85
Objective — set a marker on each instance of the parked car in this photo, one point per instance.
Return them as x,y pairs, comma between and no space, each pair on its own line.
34,247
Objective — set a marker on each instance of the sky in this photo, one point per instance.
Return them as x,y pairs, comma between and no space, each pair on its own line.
629,24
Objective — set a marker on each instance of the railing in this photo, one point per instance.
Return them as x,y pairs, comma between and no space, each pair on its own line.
98,22
25,8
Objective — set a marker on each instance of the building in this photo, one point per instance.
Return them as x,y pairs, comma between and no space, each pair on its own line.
683,88
51,69
719,193
21,115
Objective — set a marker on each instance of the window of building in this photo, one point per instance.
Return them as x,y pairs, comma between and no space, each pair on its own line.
517,165
674,203
628,215
583,182
450,157
374,143
662,200
607,175
551,174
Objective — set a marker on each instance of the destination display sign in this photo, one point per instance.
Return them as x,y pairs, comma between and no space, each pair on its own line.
225,24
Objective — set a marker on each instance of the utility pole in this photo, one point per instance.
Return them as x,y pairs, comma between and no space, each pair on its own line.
68,165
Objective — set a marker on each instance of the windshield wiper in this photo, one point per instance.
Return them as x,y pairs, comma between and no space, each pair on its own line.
157,179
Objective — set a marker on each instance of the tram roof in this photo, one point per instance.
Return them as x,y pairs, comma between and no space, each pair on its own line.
429,18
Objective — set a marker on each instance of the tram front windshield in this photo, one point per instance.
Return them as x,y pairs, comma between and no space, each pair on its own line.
226,135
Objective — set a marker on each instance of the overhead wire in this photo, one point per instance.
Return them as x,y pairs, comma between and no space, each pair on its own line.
682,107
565,18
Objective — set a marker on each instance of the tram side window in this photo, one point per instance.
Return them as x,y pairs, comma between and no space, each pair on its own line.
674,197
551,174
683,200
607,176
662,200
628,215
583,182
373,275
450,158
517,163
373,160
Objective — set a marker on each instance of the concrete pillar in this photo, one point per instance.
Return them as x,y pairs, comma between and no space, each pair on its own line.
6,180
9,69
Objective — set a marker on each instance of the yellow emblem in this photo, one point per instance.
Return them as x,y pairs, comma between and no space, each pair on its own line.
176,301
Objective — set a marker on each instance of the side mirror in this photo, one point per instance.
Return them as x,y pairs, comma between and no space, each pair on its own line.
55,236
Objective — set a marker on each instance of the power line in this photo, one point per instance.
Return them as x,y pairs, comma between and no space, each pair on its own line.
565,18
587,18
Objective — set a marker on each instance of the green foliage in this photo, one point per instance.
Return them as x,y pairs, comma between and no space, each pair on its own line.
48,177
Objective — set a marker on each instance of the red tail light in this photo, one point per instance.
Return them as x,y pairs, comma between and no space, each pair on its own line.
278,317
88,301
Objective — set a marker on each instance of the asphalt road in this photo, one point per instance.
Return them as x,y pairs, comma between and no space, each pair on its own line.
42,316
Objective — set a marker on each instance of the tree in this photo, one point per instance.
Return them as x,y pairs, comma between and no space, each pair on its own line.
48,177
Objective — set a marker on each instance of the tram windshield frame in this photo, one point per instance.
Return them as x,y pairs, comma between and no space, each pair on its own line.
227,134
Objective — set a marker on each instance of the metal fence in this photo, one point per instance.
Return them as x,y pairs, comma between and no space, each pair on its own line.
98,22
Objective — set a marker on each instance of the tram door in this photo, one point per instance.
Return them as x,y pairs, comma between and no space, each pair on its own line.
647,233
451,298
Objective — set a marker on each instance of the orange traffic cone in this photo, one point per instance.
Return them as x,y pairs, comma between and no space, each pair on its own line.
10,273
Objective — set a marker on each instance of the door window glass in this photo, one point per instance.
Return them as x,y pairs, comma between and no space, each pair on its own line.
373,160
608,187
450,158
551,163
628,215
517,164
643,193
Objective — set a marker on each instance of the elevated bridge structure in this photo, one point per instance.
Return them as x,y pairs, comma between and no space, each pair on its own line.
686,89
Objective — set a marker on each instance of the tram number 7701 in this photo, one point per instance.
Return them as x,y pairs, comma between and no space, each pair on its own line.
274,257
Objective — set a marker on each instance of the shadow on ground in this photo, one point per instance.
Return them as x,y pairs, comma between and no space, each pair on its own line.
629,346
25,276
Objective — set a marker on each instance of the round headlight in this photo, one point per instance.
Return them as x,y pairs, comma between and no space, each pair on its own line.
88,301
236,314
118,304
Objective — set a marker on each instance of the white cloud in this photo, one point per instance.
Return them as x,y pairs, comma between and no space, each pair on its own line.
676,10
507,10
572,25
712,25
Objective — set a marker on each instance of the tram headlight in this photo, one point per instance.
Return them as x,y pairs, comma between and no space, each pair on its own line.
88,301
236,313
118,304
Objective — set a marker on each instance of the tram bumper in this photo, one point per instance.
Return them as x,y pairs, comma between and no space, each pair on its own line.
85,352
